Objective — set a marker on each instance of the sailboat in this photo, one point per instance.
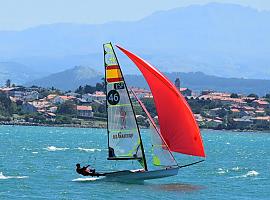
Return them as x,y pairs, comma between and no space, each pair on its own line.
178,131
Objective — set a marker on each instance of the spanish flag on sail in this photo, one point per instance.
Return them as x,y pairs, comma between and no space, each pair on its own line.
113,74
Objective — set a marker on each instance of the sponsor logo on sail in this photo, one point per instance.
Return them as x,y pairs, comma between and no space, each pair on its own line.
122,135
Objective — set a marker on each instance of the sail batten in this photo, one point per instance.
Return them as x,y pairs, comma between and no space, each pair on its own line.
178,126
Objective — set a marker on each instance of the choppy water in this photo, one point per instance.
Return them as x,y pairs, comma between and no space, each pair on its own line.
39,162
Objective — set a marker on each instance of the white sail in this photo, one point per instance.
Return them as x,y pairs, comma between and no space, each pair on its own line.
124,140
161,155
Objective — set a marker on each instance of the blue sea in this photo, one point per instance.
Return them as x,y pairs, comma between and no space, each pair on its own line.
39,163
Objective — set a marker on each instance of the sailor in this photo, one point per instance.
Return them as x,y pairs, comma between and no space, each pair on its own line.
85,171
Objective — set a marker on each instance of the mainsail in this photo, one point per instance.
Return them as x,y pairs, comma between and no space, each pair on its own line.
124,140
178,126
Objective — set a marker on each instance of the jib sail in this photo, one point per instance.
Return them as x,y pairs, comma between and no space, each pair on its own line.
161,155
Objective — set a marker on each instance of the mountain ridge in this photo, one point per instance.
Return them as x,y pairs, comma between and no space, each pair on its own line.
214,38
81,75
69,79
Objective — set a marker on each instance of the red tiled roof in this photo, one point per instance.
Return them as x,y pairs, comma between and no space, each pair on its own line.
51,96
261,102
84,107
235,110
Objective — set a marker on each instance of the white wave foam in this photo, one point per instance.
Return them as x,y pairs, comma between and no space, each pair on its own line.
222,171
248,174
85,179
2,177
53,148
34,152
236,168
88,150
251,173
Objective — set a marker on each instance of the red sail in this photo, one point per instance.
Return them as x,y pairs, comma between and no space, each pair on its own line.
177,123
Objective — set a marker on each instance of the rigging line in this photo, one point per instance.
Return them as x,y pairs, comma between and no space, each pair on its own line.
182,166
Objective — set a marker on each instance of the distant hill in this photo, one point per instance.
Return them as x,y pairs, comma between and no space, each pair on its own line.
198,81
69,79
16,72
219,39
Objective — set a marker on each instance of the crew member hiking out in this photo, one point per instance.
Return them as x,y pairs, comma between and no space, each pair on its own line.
85,171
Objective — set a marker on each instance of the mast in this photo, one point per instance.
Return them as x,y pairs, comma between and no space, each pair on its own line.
119,102
105,83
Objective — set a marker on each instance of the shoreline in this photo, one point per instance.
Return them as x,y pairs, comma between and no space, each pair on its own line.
51,125
104,126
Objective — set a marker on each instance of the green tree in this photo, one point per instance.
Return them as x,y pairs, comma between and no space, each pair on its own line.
150,106
102,109
234,95
67,107
8,83
79,90
100,87
253,95
89,89
63,120
7,107
267,96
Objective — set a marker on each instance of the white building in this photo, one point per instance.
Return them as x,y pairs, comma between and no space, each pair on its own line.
97,96
84,111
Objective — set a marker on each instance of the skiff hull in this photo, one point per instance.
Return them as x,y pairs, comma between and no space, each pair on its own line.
139,175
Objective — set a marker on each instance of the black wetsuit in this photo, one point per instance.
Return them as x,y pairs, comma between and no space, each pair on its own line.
83,171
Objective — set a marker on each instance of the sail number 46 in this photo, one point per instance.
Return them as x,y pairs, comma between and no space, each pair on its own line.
113,97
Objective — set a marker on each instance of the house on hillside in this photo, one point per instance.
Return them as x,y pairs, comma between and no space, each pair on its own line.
238,113
213,123
186,92
7,90
140,92
29,107
242,123
214,112
74,94
30,96
206,92
84,111
99,96
50,116
260,103
87,98
50,97
148,96
262,122
52,109
20,93
61,99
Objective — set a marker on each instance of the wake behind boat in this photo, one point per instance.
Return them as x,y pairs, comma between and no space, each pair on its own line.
178,130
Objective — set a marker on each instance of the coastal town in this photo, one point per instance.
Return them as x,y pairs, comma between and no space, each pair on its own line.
86,107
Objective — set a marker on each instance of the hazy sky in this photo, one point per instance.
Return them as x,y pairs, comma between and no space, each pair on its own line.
21,14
